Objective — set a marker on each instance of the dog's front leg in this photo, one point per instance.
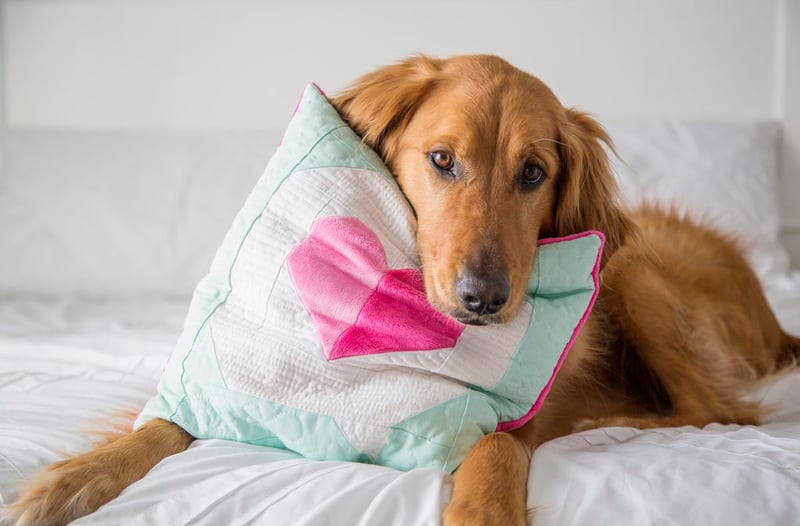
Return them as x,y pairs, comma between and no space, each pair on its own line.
78,486
490,487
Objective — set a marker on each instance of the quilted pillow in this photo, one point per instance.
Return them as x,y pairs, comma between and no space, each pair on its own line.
312,332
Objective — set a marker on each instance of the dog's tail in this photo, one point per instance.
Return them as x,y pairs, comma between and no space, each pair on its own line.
789,355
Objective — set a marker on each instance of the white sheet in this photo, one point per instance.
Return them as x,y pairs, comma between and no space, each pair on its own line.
64,365
67,366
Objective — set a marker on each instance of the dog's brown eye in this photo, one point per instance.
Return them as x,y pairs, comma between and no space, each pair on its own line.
532,175
443,160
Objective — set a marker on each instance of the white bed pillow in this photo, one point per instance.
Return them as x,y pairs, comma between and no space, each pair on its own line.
138,214
120,214
725,173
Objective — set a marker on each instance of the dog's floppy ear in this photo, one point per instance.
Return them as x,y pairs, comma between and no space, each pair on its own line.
587,189
384,100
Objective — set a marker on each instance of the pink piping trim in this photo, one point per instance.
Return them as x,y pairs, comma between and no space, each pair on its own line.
519,422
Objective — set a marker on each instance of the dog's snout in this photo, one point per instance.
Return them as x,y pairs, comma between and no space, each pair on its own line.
483,294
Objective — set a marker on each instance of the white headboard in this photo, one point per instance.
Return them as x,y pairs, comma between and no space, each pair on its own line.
240,64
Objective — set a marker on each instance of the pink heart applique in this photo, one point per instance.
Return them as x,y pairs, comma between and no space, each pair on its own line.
358,305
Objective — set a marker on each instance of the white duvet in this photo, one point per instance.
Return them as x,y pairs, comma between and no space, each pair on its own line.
65,366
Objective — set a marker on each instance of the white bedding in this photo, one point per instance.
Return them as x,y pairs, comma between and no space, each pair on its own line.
69,365
66,364
63,365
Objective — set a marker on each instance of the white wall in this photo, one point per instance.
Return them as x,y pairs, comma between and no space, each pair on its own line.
198,64
202,64
789,112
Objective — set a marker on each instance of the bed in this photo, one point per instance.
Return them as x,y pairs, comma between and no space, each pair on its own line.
118,181
94,298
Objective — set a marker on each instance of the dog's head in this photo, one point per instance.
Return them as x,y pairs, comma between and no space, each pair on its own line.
490,162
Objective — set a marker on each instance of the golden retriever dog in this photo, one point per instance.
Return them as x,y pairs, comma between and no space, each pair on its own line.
491,161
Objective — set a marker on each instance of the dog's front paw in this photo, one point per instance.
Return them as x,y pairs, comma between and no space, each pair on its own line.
490,487
65,491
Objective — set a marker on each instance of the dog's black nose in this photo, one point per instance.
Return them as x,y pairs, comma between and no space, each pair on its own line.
483,295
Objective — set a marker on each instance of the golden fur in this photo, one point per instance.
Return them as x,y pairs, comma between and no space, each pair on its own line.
680,330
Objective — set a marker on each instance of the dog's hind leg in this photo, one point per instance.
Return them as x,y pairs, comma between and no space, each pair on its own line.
693,347
78,486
